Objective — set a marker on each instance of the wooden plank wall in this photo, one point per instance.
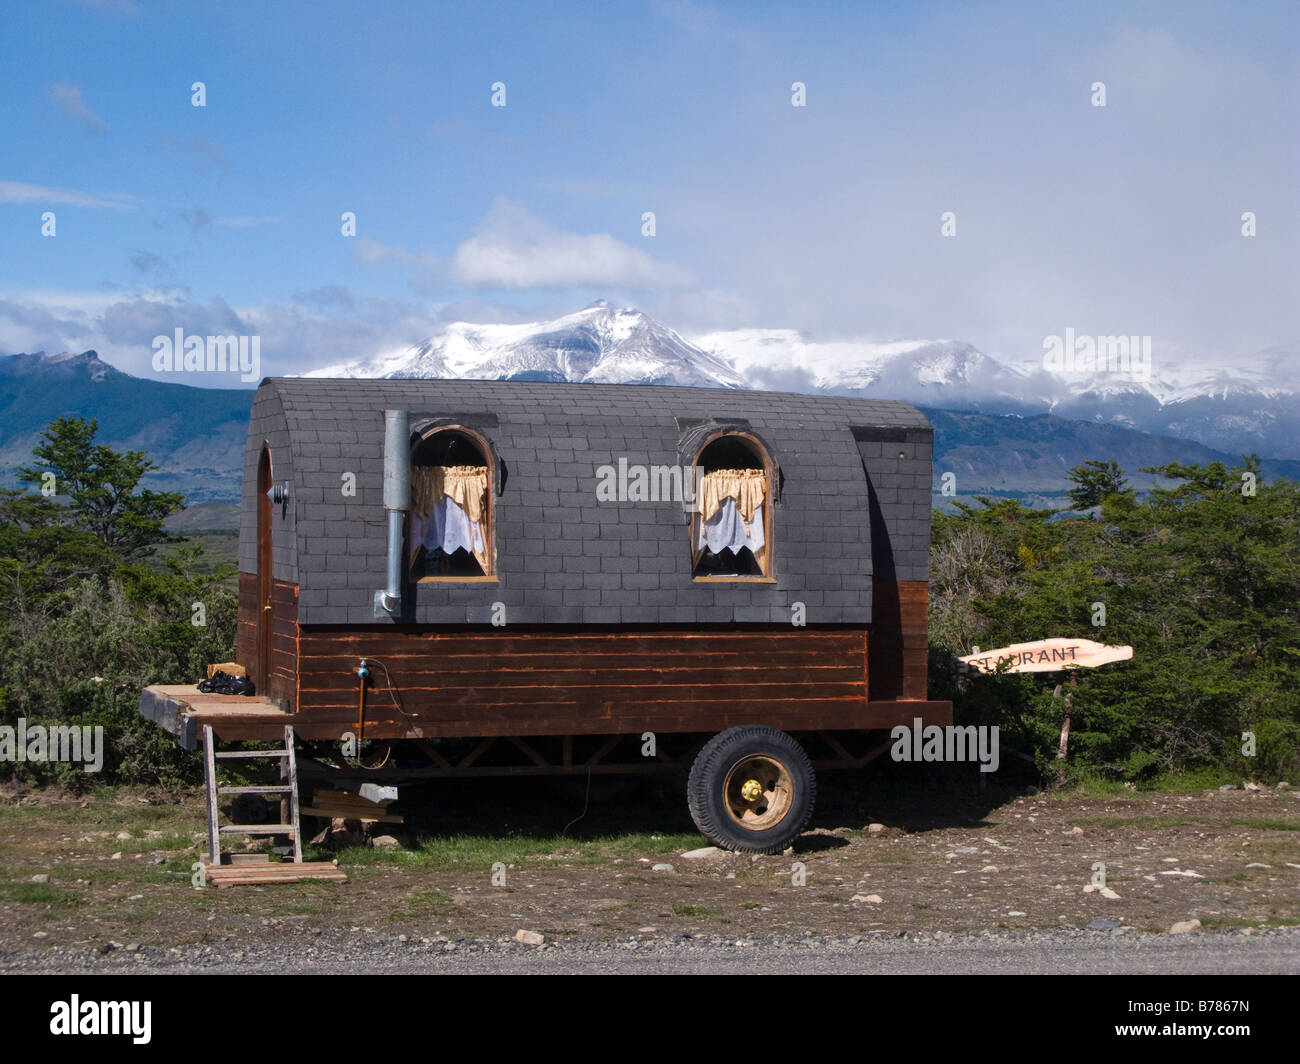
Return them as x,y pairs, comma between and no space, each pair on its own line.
573,681
568,680
282,682
900,639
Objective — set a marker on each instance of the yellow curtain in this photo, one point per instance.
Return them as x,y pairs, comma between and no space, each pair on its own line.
466,486
747,486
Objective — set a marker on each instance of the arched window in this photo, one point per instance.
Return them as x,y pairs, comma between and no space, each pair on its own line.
451,521
731,530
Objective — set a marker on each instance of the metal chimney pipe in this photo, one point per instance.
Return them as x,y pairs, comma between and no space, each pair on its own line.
397,501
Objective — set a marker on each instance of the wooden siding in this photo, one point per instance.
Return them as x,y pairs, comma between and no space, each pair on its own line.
458,681
281,685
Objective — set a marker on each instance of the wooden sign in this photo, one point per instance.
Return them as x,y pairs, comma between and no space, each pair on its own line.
1047,655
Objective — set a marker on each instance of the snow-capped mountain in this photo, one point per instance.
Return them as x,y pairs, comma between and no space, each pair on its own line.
1232,408
600,344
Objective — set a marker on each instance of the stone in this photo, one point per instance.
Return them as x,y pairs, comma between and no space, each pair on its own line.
1102,925
1228,787
1284,786
1256,864
1253,787
965,849
663,868
1015,912
43,877
1106,892
1184,927
386,842
158,856
527,938
702,853
1076,830
875,829
870,899
989,868
133,947
122,836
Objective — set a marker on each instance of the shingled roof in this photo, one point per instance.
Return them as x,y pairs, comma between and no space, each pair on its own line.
562,556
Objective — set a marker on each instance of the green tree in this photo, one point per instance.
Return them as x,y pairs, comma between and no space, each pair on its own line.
101,486
1094,482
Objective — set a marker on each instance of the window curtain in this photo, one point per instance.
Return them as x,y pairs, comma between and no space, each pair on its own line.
731,512
449,509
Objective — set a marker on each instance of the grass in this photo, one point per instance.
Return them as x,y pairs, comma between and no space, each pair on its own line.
37,894
693,910
1267,823
483,851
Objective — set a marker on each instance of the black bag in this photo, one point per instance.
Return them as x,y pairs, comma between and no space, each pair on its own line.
221,683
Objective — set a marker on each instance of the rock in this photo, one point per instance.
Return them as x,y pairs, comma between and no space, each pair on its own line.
43,877
1106,892
386,842
1228,787
1102,925
1180,872
122,836
662,868
403,938
1283,786
1076,830
1184,927
875,829
1015,912
40,934
133,947
989,868
117,856
158,856
646,930
1256,864
870,899
702,853
136,897
527,938
1253,787
965,849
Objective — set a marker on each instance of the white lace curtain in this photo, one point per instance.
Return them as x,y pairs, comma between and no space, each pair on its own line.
449,509
731,512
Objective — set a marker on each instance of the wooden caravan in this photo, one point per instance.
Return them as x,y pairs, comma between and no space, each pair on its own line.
525,577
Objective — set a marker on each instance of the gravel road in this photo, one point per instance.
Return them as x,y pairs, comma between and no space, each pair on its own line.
1265,952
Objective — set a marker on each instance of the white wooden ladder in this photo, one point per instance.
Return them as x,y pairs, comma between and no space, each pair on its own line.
288,788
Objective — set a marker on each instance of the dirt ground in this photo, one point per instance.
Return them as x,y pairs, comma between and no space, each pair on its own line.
874,862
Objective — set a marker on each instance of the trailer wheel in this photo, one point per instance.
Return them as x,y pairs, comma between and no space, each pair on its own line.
751,789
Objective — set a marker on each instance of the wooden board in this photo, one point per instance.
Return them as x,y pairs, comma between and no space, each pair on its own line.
233,875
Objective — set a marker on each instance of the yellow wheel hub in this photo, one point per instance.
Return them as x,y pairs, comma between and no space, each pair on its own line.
751,790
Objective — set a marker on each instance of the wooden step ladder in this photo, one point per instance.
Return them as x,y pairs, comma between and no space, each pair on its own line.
288,788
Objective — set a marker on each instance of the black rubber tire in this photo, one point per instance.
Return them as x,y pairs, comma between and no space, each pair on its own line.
705,787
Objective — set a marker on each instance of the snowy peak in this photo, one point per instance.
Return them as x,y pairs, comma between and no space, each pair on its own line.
1226,406
598,344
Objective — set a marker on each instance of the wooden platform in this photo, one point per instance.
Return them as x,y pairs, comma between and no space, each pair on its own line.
245,871
183,710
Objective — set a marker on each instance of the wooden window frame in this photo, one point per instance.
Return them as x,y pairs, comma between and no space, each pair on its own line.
768,576
490,525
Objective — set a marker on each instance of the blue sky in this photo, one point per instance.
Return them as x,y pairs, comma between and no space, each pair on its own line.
826,218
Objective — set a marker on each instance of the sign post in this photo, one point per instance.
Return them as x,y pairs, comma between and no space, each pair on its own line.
1048,655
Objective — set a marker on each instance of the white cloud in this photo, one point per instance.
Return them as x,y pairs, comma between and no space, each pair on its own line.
69,98
515,250
18,192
